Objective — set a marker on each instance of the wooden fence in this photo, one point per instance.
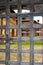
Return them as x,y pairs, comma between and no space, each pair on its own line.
19,16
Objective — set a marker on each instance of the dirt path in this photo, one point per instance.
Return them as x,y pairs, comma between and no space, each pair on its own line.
25,56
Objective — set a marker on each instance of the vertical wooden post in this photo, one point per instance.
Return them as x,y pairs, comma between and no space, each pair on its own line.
7,33
31,37
19,33
1,25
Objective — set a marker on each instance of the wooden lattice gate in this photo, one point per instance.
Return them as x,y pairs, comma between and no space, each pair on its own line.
19,16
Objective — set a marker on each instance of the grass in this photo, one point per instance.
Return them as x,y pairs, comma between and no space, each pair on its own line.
36,42
25,45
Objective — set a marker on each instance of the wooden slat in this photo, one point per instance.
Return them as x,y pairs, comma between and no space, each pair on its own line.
19,15
31,36
7,33
2,62
19,32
